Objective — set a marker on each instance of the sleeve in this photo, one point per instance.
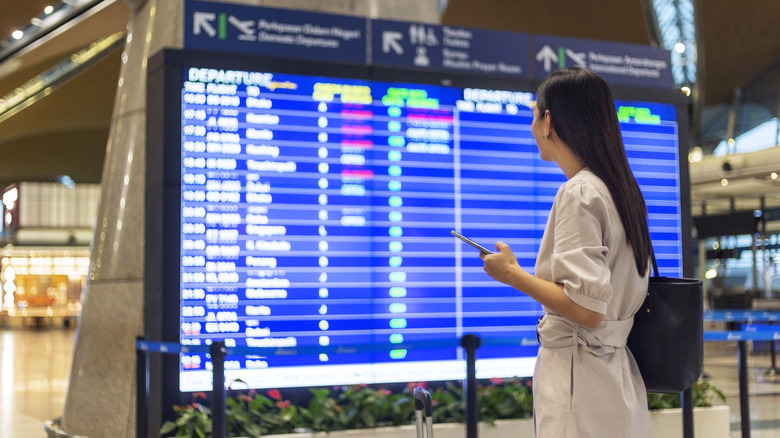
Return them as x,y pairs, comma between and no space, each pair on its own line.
580,257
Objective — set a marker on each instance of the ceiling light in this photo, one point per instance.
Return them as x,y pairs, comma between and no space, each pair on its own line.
66,181
48,10
731,142
686,90
773,175
710,274
17,35
724,182
679,48
696,155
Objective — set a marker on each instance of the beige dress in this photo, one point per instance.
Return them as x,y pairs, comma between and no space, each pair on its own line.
586,383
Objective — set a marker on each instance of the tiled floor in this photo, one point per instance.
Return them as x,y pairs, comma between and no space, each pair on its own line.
721,364
36,365
33,378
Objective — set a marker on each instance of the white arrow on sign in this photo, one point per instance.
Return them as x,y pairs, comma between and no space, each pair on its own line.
548,56
390,42
578,58
202,21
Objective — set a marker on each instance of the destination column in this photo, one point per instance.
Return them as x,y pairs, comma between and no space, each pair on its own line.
276,254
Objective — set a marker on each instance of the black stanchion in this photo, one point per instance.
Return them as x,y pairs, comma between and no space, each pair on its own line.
772,371
141,389
470,343
218,400
744,401
686,401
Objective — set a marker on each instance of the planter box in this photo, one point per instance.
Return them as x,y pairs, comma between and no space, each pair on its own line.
714,422
502,429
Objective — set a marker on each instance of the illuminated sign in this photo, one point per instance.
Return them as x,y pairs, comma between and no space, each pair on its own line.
315,211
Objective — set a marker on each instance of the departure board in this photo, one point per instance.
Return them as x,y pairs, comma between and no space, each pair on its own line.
316,211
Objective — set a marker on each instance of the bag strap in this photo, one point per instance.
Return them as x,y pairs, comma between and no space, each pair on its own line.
655,264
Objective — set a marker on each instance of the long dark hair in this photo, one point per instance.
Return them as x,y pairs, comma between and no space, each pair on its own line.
584,118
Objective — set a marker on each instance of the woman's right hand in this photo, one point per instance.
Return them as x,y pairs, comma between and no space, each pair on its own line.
502,265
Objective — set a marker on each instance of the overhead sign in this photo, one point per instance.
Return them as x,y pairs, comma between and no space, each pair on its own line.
404,44
253,30
274,32
617,63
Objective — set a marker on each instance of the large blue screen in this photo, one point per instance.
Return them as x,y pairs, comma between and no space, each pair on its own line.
316,211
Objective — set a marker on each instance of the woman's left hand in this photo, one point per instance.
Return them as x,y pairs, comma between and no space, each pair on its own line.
502,265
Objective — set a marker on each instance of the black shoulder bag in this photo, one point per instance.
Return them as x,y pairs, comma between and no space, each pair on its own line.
667,337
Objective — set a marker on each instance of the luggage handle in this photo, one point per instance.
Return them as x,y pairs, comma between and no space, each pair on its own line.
422,399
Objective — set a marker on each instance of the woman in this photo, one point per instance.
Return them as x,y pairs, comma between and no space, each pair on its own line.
592,268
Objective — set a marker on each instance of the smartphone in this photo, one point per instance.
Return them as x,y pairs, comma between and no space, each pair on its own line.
481,248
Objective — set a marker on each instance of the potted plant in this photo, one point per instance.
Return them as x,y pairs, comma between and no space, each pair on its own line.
710,420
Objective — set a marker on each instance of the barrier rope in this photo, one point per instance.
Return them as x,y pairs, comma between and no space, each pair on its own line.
740,315
748,333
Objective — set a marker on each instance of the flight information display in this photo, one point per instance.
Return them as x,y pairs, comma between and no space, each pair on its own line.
316,211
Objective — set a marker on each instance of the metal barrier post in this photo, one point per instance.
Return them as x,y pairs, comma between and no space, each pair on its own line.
141,390
744,401
773,370
470,343
686,400
218,399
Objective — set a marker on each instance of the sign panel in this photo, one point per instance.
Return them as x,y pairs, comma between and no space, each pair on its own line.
256,30
274,32
403,44
617,63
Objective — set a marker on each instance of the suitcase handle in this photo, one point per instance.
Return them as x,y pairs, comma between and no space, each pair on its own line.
422,399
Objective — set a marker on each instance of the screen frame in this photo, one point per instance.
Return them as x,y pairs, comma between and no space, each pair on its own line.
163,179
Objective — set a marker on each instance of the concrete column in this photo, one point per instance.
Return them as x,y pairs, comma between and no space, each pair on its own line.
101,395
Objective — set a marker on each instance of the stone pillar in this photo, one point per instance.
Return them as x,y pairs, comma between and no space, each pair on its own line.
101,395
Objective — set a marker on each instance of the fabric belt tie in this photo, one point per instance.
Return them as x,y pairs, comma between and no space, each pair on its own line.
555,331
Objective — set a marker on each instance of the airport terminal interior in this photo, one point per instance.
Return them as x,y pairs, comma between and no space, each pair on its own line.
65,229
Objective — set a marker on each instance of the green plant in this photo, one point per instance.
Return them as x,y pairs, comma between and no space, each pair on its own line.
194,420
360,406
704,394
255,415
499,399
251,414
356,407
323,413
365,407
448,404
504,399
